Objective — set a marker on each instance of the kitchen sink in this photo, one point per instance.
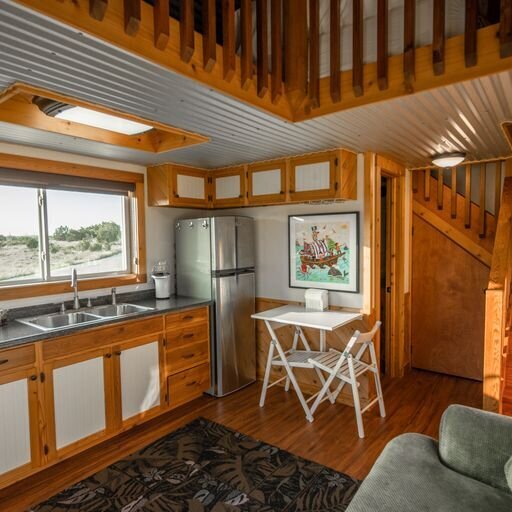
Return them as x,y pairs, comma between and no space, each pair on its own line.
113,310
91,315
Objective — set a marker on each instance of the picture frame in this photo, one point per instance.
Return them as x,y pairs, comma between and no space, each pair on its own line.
323,251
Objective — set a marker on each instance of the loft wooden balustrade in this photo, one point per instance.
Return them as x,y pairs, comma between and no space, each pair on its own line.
278,66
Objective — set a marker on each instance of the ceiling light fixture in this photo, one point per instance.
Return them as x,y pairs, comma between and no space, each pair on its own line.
448,159
89,117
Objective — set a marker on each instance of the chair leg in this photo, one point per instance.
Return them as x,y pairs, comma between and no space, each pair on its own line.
322,392
294,347
357,403
267,373
378,385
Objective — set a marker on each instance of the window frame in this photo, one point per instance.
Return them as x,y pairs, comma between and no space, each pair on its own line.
135,230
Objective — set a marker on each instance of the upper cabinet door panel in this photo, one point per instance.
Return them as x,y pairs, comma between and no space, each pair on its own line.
314,177
228,187
190,187
267,183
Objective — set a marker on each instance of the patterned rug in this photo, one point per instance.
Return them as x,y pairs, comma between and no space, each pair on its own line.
203,467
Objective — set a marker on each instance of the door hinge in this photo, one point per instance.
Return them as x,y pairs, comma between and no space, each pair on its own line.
42,377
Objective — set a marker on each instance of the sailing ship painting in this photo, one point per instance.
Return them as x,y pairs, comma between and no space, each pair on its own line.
324,251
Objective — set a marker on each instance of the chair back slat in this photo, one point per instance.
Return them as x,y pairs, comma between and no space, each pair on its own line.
366,337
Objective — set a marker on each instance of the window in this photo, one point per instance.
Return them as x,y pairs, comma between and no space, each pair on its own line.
50,224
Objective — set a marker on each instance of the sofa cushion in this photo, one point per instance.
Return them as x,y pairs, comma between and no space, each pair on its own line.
508,472
476,443
408,475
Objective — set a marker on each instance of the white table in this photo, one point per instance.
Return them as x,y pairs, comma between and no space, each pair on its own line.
299,317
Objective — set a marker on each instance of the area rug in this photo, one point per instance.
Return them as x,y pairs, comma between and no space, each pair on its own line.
203,467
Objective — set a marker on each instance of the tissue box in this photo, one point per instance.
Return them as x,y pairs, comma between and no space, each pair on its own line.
317,299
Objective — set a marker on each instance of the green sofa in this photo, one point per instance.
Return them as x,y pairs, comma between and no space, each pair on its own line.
469,469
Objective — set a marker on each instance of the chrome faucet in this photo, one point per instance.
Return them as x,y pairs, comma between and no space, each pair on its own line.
74,285
114,297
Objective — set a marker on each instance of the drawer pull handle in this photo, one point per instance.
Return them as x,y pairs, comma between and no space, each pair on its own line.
188,317
189,335
188,356
193,383
4,361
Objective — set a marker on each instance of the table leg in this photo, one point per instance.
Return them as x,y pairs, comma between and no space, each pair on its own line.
294,347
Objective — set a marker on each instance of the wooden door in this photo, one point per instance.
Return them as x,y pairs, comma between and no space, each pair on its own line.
190,187
313,177
266,183
19,436
76,395
228,187
140,377
448,303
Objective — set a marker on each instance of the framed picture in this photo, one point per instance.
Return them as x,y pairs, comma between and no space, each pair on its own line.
324,251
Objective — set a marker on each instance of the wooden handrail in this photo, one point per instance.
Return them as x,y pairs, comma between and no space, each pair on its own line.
497,305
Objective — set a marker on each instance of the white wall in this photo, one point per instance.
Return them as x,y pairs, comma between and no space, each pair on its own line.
271,223
159,223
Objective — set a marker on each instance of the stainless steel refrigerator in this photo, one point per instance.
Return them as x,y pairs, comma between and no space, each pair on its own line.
215,260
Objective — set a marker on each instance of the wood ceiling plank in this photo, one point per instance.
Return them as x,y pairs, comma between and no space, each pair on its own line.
276,43
335,51
262,47
470,38
209,35
131,16
438,40
228,39
187,43
161,23
382,44
357,48
314,53
506,28
246,71
97,9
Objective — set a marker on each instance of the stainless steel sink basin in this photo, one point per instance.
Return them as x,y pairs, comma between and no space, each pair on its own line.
113,310
59,320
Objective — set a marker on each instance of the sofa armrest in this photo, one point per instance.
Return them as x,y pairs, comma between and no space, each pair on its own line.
476,444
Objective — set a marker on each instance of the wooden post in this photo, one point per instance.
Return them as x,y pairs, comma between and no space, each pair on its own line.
187,30
228,39
454,193
209,35
426,188
97,9
440,188
357,48
246,38
262,46
314,53
335,51
470,41
467,198
483,184
131,16
276,17
438,41
409,43
382,44
506,28
161,23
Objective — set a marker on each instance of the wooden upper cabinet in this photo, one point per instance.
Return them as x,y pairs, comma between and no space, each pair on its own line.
266,183
175,185
228,187
329,175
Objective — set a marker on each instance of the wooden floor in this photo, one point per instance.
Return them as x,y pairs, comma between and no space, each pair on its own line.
414,404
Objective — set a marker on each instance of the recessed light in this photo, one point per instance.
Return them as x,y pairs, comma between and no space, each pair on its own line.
448,159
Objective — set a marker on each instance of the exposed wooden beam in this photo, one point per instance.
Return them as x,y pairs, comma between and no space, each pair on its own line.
382,44
161,23
438,39
357,48
470,39
187,43
506,28
440,188
482,228
246,70
262,46
467,197
409,43
131,16
314,52
209,35
335,51
276,43
228,39
454,193
295,47
97,9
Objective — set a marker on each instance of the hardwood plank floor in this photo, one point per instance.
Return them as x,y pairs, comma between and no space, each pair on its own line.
414,404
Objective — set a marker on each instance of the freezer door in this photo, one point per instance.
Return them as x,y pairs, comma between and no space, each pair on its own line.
235,340
193,265
223,243
244,242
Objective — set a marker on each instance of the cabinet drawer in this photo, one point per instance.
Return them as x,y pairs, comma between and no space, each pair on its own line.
186,356
187,335
17,357
183,318
187,385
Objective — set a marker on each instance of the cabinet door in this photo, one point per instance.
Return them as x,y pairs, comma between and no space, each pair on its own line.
228,187
190,187
19,448
141,377
313,177
77,400
267,183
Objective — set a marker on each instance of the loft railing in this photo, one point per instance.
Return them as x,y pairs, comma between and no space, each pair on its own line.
498,307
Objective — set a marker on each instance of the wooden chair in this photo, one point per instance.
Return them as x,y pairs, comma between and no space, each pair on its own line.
347,367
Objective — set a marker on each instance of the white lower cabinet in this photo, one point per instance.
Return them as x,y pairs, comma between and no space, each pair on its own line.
78,400
140,379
